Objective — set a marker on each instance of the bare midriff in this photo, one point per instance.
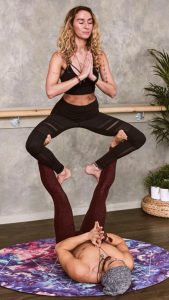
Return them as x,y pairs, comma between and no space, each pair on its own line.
79,99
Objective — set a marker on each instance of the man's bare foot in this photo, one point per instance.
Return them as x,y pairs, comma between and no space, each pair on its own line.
65,174
47,140
118,138
93,170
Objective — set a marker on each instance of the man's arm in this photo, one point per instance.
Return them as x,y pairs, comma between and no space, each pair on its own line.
93,235
72,242
121,245
74,267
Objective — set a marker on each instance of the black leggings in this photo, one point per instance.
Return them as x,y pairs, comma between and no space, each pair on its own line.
63,216
65,116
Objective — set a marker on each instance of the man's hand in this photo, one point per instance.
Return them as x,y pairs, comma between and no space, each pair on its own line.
96,235
107,239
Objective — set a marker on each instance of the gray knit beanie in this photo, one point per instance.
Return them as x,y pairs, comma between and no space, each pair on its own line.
116,281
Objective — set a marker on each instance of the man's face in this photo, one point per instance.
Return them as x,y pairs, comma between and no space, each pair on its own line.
110,262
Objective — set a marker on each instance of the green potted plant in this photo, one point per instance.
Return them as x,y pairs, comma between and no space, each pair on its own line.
164,190
157,181
165,171
164,185
152,182
160,96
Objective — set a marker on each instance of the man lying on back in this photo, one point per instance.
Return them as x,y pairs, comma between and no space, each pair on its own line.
95,257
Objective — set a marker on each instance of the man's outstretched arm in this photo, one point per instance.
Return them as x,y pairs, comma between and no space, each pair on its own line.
74,267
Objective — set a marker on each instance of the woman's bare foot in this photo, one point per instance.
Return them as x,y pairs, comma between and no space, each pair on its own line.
93,170
47,140
65,174
118,138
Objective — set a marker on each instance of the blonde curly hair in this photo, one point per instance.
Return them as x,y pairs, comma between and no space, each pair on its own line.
66,41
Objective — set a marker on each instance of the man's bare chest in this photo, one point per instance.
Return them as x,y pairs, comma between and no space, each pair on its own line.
91,254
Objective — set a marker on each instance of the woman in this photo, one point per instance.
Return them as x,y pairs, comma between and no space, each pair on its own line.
78,63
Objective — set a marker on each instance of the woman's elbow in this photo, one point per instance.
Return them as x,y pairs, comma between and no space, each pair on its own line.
49,96
50,93
113,92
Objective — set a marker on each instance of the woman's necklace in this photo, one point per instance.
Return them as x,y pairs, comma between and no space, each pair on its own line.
80,63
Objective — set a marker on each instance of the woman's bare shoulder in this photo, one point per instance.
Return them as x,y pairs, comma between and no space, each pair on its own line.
57,58
58,55
102,56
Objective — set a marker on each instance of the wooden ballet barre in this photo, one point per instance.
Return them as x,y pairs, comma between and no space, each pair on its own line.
37,112
132,108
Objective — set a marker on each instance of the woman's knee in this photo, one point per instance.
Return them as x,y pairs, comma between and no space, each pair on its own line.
33,144
30,146
140,139
135,136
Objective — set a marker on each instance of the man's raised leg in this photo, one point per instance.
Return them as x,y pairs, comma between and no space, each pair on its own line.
97,208
63,216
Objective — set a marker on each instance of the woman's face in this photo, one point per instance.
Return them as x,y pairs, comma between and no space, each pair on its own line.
83,24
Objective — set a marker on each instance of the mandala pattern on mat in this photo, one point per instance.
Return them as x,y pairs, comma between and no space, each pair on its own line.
33,268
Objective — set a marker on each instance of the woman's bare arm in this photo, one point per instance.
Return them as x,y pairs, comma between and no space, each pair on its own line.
53,86
107,85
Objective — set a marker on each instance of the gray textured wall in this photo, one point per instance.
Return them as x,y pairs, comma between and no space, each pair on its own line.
29,29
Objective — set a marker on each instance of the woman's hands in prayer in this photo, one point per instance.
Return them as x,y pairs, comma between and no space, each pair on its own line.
87,70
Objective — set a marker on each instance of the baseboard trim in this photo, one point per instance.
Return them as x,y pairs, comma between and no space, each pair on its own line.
76,211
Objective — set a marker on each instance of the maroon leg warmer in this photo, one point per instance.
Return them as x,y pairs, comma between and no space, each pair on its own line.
97,208
63,218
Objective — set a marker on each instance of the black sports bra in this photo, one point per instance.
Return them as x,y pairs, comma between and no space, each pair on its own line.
86,86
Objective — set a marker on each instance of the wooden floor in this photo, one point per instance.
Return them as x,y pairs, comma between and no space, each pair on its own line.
133,224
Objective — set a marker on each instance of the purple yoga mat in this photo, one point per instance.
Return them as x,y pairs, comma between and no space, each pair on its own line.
33,268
